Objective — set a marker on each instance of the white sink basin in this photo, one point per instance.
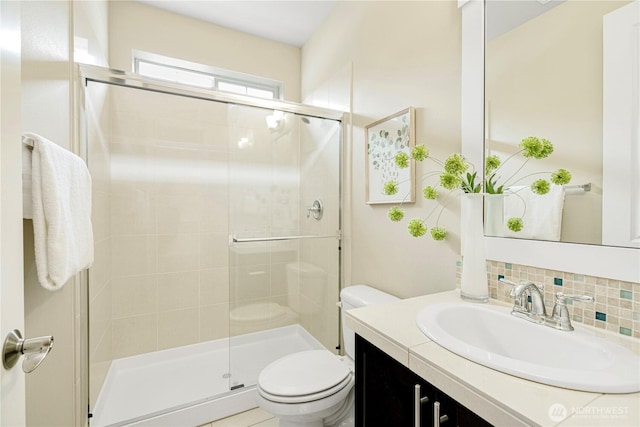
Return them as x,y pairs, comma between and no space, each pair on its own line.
491,336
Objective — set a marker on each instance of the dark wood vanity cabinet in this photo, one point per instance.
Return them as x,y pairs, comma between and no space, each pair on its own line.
390,395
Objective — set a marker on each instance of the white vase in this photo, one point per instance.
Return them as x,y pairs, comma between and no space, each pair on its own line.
474,285
494,219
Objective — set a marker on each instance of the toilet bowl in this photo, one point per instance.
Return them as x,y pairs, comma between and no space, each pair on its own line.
315,388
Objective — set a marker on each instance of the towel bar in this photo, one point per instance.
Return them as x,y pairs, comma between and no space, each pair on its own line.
275,238
28,142
583,187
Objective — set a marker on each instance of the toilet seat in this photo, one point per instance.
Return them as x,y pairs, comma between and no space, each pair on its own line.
307,397
304,377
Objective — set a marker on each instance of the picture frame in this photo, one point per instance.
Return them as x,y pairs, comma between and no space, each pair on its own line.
384,139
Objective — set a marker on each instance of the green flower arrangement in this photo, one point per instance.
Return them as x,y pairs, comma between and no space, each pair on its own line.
455,174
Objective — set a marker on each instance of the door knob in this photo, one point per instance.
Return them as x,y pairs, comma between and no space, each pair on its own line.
34,350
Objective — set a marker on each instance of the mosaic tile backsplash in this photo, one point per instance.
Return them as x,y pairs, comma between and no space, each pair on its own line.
616,307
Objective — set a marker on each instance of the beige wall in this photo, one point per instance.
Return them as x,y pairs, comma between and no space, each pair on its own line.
544,78
138,26
382,57
91,22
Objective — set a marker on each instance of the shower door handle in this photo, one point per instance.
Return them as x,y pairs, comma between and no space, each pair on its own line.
34,350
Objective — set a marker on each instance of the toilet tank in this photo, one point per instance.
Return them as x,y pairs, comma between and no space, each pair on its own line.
354,297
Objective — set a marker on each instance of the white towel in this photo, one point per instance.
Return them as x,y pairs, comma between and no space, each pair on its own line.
543,217
61,196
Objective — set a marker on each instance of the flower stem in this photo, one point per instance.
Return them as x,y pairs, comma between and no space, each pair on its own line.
506,181
436,161
526,176
442,208
515,193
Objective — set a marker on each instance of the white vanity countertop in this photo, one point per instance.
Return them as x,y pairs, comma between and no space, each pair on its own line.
502,399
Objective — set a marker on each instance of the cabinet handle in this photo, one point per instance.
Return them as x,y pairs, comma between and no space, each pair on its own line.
417,404
437,418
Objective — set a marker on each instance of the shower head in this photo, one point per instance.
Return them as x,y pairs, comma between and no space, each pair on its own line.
305,120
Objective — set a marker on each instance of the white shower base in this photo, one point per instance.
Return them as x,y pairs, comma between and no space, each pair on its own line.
188,386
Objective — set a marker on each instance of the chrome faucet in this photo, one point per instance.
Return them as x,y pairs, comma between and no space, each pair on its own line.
528,301
560,318
529,305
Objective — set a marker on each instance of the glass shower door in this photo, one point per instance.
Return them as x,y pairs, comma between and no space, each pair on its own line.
283,257
158,301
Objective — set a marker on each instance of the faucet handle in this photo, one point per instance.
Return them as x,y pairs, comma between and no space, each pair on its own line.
562,298
508,282
517,288
560,318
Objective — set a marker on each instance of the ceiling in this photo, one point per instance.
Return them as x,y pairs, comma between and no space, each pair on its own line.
290,22
505,15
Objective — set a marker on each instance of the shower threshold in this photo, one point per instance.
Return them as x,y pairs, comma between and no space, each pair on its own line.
194,384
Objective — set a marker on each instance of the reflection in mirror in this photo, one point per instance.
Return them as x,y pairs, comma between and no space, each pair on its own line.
544,78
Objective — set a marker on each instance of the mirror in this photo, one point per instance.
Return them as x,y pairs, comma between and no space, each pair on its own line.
544,78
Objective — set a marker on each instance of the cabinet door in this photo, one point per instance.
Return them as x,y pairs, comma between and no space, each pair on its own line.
446,413
386,395
456,414
466,418
386,391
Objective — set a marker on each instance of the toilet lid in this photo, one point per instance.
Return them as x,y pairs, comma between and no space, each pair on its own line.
304,373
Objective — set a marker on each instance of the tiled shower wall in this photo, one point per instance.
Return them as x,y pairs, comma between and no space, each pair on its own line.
169,225
616,307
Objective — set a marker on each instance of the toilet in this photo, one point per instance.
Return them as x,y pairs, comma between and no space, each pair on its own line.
315,388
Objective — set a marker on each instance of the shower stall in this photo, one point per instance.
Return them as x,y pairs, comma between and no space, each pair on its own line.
217,244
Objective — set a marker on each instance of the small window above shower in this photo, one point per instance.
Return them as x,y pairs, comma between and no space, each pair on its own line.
204,76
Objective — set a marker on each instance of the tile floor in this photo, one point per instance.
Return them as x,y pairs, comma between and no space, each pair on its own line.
252,418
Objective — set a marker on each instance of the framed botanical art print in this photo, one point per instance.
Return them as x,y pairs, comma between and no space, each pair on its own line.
385,138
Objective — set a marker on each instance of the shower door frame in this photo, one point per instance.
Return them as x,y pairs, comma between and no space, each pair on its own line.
86,73
122,78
